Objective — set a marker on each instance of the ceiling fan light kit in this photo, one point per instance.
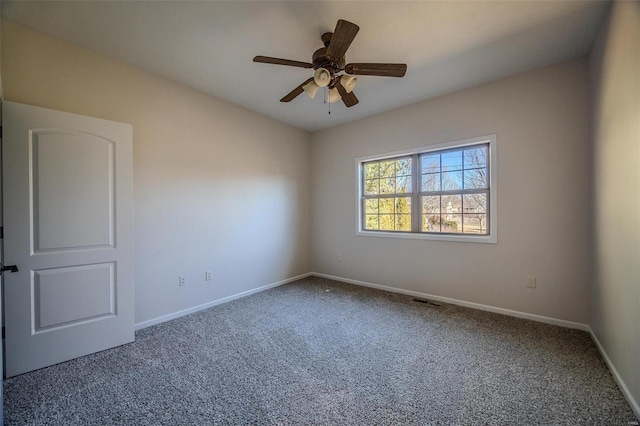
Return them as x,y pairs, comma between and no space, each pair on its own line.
334,96
322,77
310,89
348,82
331,68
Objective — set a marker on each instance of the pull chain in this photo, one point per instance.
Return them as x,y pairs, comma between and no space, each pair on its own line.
326,98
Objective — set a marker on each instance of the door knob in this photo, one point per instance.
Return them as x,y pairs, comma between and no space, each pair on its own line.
10,268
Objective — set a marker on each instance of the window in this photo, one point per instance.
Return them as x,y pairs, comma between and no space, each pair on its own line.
441,192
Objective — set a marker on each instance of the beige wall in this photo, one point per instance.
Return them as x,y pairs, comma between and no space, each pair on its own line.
540,119
215,186
615,303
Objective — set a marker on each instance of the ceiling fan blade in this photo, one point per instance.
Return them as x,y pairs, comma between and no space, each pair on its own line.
295,92
278,61
382,70
349,99
341,39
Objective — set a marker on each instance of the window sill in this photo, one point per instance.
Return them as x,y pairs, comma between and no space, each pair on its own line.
486,239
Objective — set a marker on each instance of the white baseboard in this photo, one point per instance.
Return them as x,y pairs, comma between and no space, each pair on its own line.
509,312
174,315
623,387
488,308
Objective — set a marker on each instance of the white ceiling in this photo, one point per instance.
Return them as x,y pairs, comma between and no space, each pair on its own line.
209,45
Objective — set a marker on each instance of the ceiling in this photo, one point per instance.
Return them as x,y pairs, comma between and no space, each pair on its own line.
209,45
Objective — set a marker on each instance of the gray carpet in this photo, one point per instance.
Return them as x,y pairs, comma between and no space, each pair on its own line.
322,352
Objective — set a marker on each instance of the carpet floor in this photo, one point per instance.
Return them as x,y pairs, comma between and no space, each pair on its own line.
321,352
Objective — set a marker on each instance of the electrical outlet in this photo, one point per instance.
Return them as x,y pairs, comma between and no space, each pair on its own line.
339,257
531,281
208,275
182,280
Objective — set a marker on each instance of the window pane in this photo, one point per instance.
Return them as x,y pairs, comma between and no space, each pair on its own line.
452,223
476,157
451,204
387,186
403,167
430,163
451,161
430,223
371,170
403,184
371,186
475,178
371,222
431,204
371,206
386,205
403,205
387,169
451,181
431,182
475,223
403,222
387,222
475,203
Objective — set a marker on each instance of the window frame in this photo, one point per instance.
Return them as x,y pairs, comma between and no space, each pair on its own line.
417,192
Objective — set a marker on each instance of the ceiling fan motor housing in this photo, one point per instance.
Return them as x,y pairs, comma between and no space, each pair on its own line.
321,60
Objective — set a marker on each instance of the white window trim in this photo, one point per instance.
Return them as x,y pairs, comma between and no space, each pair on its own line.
492,238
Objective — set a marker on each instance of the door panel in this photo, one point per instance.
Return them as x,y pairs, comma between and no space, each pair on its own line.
57,293
72,202
67,196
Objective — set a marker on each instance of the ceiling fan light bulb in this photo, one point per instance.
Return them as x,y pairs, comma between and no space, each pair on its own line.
322,77
348,82
310,88
334,95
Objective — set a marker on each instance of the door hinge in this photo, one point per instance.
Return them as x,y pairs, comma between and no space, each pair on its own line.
0,132
1,232
2,333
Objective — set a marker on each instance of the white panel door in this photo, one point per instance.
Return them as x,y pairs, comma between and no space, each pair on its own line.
68,227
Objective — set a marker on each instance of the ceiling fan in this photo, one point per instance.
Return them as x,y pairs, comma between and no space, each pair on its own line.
331,69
